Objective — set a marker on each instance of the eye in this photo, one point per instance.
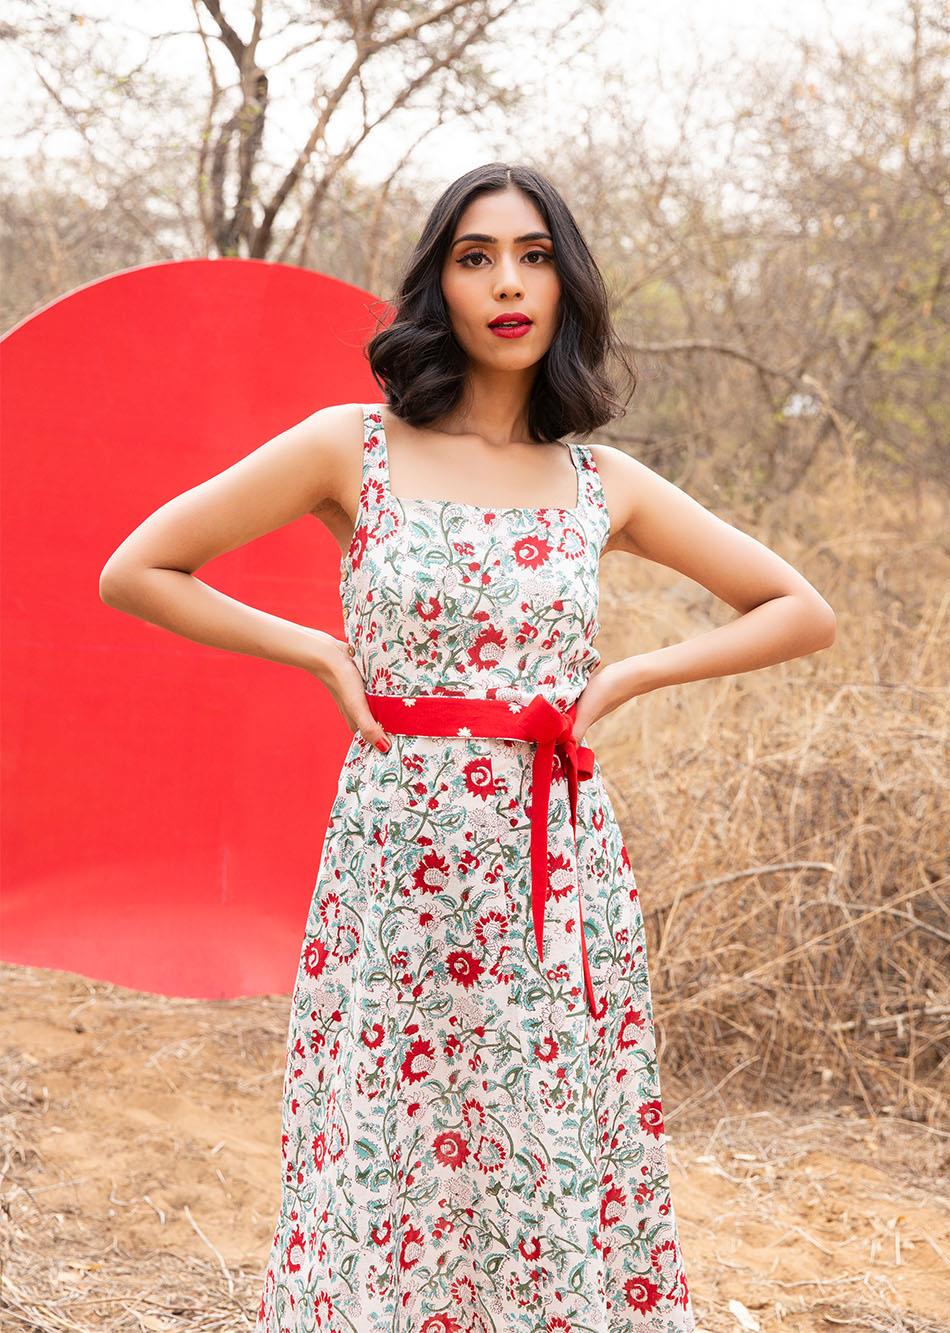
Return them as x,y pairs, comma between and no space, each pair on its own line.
480,254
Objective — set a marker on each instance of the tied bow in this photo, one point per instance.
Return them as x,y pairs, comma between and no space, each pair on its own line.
553,733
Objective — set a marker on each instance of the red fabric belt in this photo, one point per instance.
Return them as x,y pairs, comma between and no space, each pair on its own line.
538,721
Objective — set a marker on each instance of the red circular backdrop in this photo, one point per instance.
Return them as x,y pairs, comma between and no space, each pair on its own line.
164,802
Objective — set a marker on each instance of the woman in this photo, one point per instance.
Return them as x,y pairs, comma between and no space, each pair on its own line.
472,1119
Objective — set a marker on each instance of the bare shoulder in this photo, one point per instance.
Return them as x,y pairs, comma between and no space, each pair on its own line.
646,509
335,435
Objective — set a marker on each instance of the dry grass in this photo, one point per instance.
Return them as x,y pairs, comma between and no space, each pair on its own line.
789,827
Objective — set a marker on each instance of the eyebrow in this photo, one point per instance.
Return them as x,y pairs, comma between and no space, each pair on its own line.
493,240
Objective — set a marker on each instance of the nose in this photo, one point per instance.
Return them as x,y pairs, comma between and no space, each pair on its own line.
507,283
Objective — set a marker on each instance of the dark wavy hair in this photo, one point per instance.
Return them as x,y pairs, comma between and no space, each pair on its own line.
419,363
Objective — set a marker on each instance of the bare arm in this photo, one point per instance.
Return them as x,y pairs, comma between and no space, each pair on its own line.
781,615
151,575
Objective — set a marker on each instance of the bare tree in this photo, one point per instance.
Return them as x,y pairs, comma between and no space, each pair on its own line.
779,263
777,256
355,65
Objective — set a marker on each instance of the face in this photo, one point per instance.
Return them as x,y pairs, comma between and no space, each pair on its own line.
508,270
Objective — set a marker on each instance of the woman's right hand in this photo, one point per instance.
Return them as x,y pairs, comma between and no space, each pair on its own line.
341,676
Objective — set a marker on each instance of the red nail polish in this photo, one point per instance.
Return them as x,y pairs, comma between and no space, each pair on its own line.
383,745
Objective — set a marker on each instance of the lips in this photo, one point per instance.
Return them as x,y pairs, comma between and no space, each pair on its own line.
519,330
514,324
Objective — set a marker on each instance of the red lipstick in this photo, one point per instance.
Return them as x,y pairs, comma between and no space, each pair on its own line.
512,324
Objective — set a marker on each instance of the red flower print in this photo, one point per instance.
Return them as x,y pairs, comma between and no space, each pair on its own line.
418,1061
295,1251
547,1050
430,610
490,928
526,632
331,910
631,1025
572,544
347,942
490,1154
651,1117
410,1251
381,682
450,1149
315,957
381,1235
679,1294
560,876
612,1198
479,778
441,1323
487,648
665,1261
473,1114
530,1250
464,967
377,1037
532,551
641,1293
319,1151
357,548
431,875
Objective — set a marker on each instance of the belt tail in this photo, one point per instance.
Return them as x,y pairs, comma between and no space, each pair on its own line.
588,979
542,766
580,765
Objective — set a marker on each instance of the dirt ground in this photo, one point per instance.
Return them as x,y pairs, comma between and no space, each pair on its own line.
140,1182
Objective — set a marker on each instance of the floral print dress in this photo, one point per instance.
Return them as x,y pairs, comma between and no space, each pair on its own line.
465,1147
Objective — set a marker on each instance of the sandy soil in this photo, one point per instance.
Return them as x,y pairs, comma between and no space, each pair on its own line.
140,1148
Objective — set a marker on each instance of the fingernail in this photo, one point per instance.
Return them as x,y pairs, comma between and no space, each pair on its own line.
382,745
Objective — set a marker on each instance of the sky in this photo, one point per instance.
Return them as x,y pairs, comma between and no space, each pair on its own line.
656,41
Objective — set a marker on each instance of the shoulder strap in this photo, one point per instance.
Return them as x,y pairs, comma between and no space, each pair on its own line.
591,491
375,483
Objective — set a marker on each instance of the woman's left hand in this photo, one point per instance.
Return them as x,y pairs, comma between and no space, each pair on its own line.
599,697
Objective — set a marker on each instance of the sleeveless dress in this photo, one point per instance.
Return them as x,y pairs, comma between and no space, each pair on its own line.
465,1147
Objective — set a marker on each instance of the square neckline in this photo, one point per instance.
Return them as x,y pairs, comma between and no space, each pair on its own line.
575,508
